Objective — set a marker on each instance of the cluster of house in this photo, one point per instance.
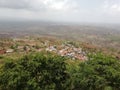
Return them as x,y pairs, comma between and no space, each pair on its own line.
69,51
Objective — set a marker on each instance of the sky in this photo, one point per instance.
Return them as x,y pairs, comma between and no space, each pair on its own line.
91,11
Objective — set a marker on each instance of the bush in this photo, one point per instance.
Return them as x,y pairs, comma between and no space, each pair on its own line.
1,57
36,72
99,73
46,71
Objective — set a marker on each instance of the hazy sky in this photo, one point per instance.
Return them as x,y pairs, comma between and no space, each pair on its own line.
61,10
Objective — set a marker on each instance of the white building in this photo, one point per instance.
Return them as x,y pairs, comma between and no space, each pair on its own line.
9,51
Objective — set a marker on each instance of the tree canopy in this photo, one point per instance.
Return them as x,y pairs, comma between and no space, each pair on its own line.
46,71
100,72
36,72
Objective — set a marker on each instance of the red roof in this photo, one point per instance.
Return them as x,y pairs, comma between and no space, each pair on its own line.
2,51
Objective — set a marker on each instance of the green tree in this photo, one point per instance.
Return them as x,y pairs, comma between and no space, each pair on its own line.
36,72
99,73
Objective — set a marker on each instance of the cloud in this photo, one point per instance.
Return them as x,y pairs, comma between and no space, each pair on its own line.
38,9
61,10
112,6
38,4
115,7
14,4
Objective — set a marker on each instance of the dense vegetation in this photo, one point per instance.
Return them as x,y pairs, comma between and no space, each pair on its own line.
99,73
46,71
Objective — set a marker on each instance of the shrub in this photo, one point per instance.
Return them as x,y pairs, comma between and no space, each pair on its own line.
99,73
36,72
46,71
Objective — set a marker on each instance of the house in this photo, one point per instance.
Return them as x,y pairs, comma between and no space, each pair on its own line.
51,48
20,48
81,57
9,50
62,52
2,51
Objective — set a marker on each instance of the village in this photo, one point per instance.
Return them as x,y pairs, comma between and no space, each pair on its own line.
64,49
68,51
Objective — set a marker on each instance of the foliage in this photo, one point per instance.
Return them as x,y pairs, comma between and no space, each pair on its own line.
1,57
36,72
99,73
14,47
46,71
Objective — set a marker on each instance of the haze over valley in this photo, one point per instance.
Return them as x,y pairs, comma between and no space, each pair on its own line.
59,44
